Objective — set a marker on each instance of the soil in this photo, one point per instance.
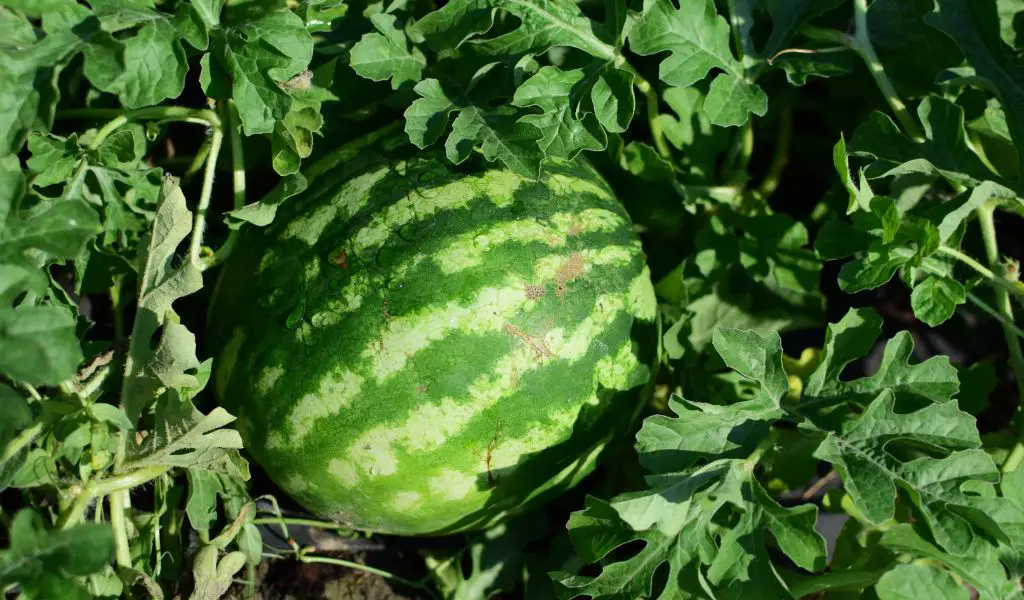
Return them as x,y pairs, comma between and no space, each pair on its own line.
292,580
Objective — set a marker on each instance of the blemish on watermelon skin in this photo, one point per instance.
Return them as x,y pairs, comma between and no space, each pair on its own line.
492,479
340,258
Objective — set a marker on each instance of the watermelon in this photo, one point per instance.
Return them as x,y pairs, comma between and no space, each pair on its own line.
414,347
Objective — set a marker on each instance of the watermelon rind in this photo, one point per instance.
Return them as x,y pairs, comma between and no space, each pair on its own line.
415,347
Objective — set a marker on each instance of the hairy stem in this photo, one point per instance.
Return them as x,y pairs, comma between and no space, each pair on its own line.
739,153
995,314
105,487
22,440
197,163
996,280
118,523
986,220
297,522
735,23
860,42
74,514
167,113
237,181
199,224
170,113
32,391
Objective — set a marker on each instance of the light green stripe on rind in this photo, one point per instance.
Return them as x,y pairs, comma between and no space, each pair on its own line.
337,391
643,304
417,206
351,197
468,249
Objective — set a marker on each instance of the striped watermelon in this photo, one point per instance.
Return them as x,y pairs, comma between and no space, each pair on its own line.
418,348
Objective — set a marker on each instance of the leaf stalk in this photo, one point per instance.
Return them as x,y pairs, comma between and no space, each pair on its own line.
651,100
986,221
997,281
237,181
199,224
860,42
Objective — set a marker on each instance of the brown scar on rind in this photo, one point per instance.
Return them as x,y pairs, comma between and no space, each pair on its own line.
492,480
536,344
340,258
573,268
534,292
574,227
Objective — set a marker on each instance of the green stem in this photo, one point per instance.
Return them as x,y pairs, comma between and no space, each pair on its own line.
735,22
197,163
32,391
739,154
1014,459
860,42
238,183
986,221
992,312
74,514
118,508
997,281
365,568
107,487
651,99
23,439
867,52
296,522
199,225
755,457
129,480
171,113
118,307
781,157
89,387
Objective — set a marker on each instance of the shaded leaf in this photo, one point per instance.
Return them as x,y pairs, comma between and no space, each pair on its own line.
944,150
36,557
863,455
974,26
557,93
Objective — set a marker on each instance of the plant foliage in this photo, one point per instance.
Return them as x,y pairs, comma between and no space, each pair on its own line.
788,162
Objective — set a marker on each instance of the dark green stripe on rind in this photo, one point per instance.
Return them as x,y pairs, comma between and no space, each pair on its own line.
383,414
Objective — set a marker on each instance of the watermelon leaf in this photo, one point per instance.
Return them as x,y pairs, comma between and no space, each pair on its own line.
183,437
160,284
703,464
698,40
